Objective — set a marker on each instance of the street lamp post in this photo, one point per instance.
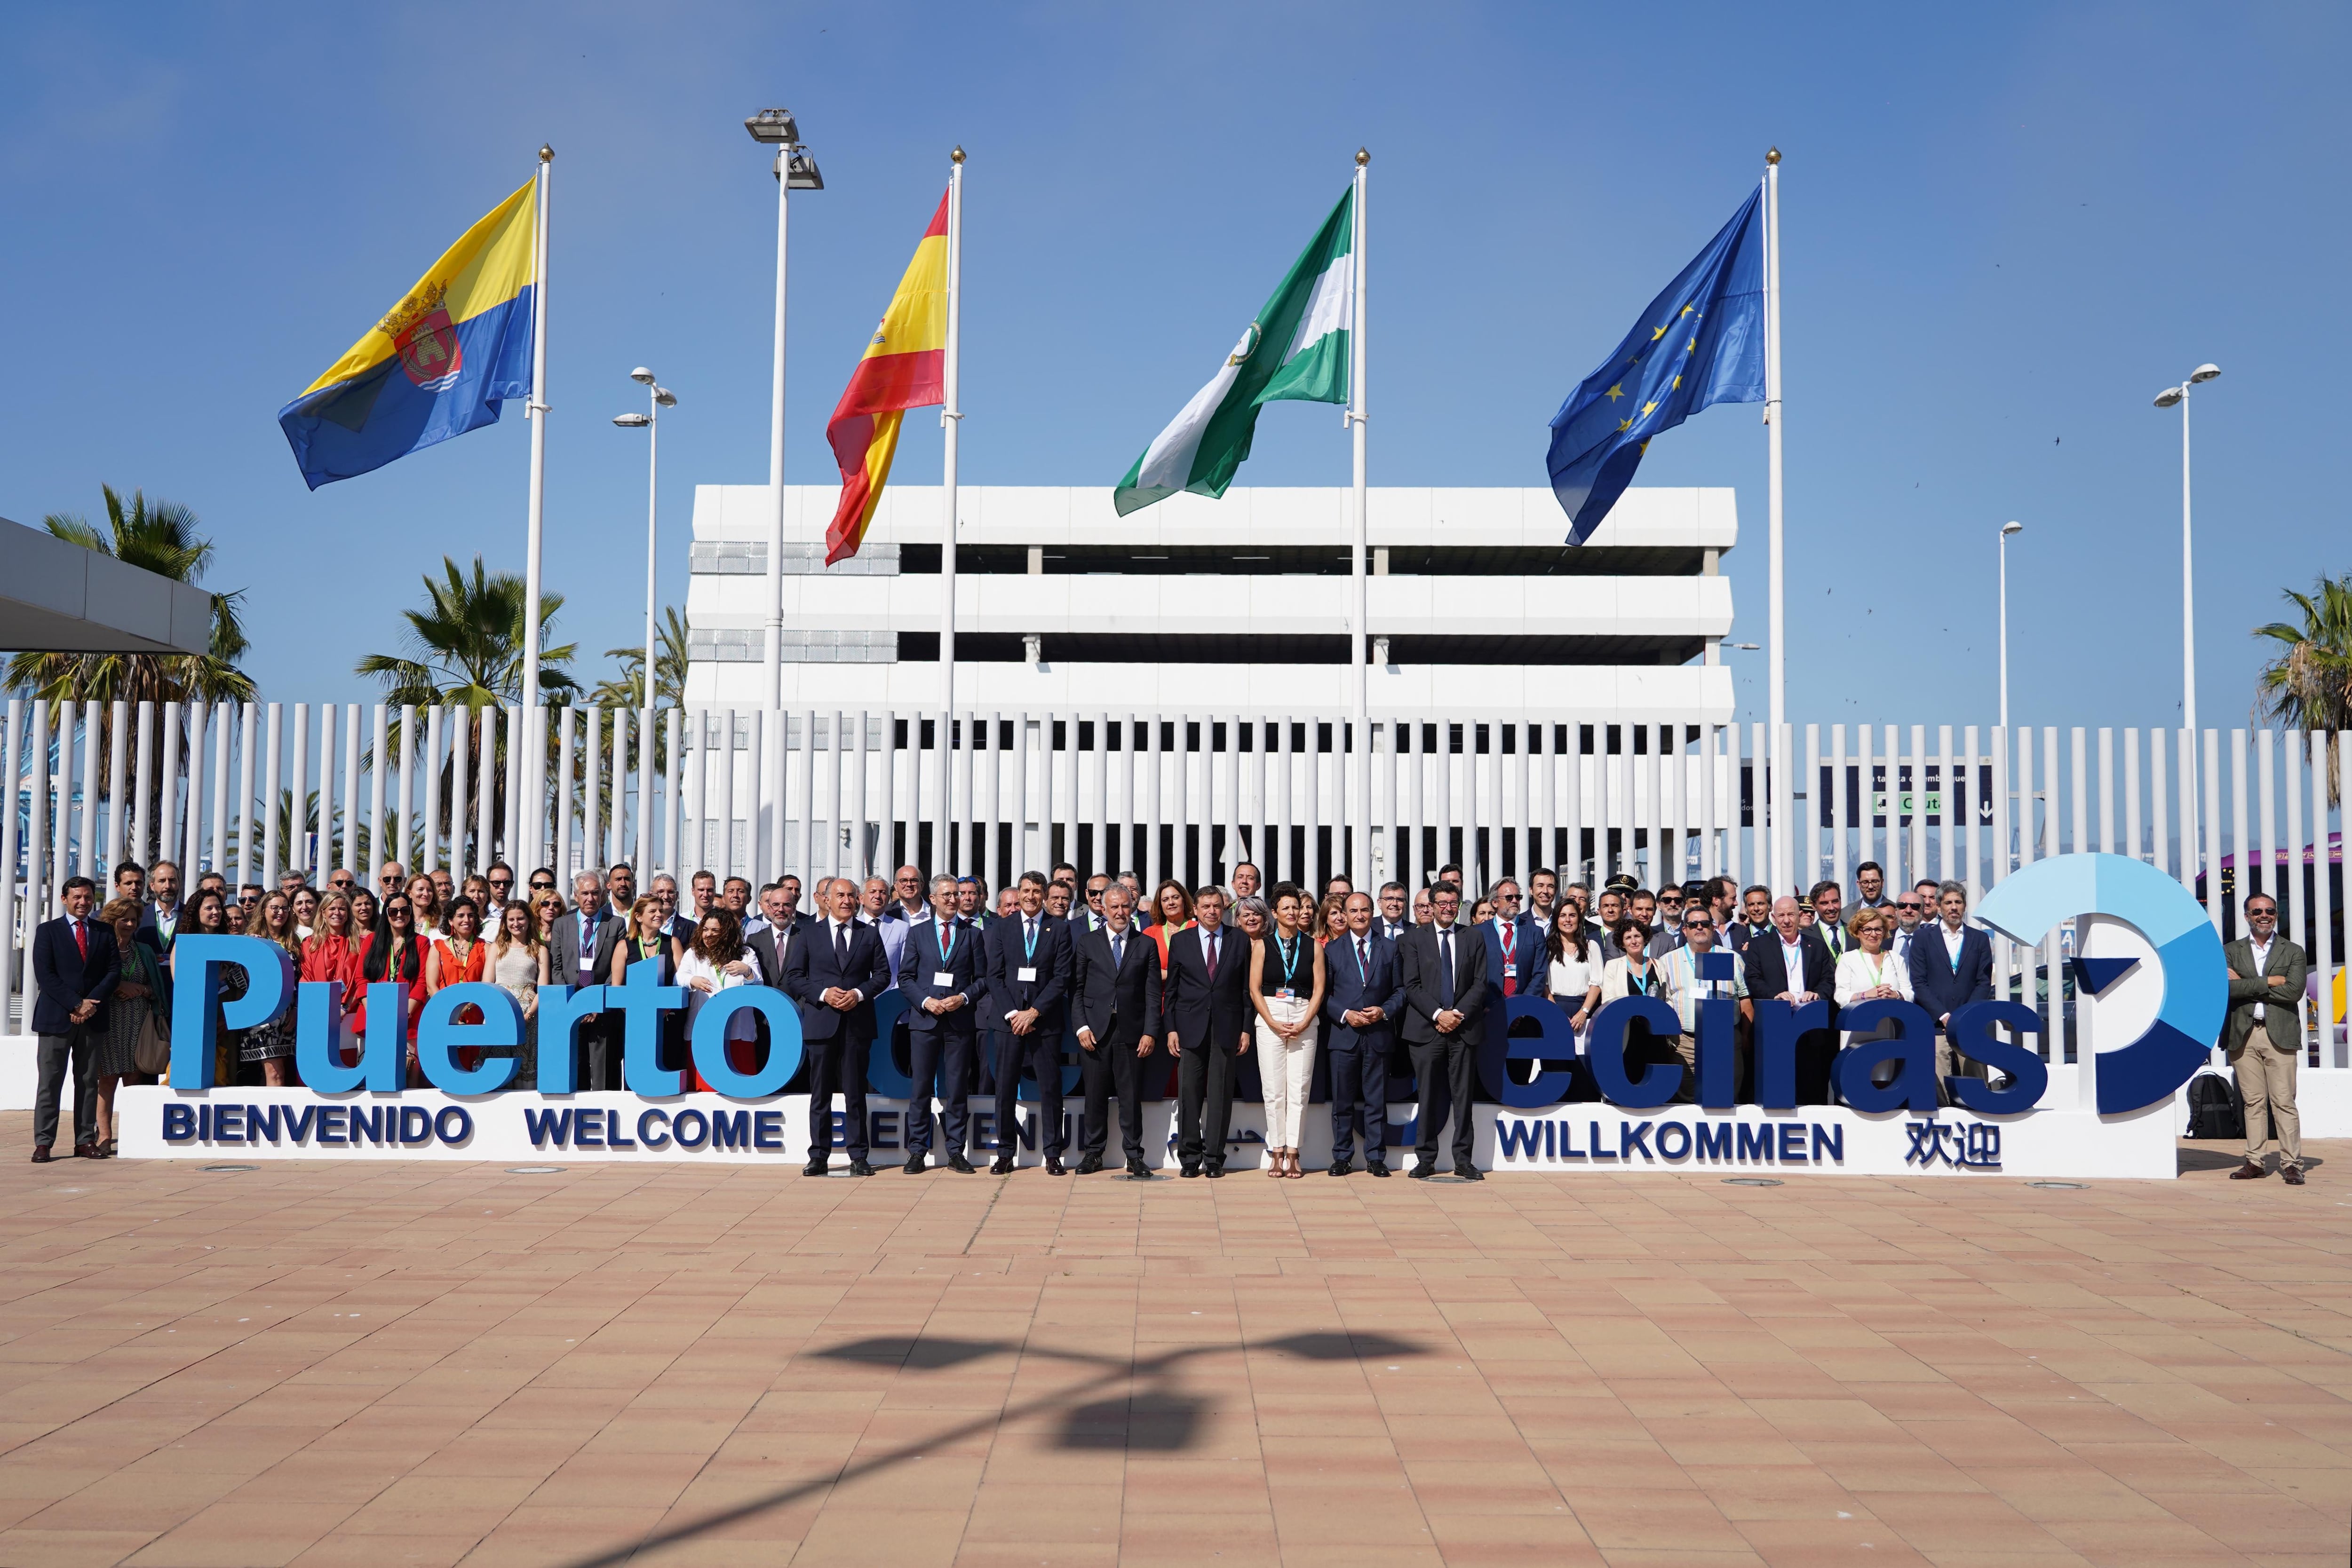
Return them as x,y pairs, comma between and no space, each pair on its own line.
657,399
795,171
2006,529
2166,399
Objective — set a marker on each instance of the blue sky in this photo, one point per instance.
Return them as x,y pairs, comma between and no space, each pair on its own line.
2004,228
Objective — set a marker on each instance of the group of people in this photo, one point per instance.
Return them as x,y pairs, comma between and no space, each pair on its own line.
1189,988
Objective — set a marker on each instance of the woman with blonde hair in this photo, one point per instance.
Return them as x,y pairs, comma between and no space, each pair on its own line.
272,1044
332,953
424,905
519,965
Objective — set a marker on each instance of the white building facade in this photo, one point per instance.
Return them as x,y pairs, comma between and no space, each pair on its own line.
1238,605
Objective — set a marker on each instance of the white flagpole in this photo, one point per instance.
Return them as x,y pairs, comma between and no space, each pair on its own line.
533,764
951,424
1359,648
1780,793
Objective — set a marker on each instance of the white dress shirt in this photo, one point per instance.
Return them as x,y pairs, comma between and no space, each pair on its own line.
2262,952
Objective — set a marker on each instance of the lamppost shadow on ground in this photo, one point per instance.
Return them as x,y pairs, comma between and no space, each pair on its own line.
1158,1418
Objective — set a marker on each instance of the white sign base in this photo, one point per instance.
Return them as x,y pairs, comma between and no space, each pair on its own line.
251,1124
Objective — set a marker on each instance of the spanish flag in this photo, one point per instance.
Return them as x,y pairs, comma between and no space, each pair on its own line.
903,367
438,364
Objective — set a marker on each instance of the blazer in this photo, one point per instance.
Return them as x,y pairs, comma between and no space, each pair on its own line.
920,959
772,952
1768,971
2281,1016
1351,987
813,969
1120,999
1527,953
1202,1009
1936,984
65,979
563,949
1421,973
1008,954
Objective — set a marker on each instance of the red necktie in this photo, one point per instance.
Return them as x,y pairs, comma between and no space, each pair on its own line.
1510,961
81,939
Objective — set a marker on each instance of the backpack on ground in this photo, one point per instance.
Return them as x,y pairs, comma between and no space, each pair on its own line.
2215,1110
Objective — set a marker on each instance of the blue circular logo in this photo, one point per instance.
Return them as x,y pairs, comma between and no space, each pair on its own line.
2035,898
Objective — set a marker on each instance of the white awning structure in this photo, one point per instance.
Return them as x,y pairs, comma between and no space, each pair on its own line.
57,597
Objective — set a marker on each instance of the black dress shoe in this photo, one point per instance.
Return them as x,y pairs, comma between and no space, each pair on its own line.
1188,1170
1381,1171
1339,1168
1138,1171
914,1165
42,1157
815,1166
1001,1165
1091,1163
1054,1165
1212,1170
859,1168
1469,1173
1422,1173
961,1166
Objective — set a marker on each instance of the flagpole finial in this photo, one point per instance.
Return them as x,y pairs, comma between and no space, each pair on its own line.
1362,157
956,156
546,153
1772,156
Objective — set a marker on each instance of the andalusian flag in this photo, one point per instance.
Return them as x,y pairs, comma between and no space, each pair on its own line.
441,362
1296,349
902,369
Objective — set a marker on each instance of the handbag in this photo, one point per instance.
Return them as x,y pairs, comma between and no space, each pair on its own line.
152,1052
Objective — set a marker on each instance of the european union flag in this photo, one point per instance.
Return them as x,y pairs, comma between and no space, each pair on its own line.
1700,342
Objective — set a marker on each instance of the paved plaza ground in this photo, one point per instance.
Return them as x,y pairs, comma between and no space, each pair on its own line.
383,1363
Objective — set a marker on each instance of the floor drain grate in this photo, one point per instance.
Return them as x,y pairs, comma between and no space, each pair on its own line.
1752,1181
2069,1185
227,1168
534,1170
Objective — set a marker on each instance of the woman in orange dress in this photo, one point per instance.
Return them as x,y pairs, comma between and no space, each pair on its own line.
459,954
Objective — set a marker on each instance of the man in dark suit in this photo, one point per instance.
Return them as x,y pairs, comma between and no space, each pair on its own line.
1513,946
1028,985
74,971
835,971
1445,1025
1364,993
1206,1011
580,953
1788,963
1115,979
944,981
1951,966
779,927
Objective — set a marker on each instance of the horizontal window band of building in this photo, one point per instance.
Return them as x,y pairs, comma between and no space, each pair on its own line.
1271,736
750,558
743,645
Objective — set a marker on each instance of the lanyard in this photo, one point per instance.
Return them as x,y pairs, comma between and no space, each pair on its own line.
1637,981
947,940
1952,948
647,949
1029,940
1289,955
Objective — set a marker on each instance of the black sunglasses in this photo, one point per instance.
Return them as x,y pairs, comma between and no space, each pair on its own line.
1912,906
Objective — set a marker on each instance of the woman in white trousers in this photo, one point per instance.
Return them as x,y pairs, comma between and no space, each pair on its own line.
1286,988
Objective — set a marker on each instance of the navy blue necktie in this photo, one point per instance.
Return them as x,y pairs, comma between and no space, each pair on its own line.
1445,968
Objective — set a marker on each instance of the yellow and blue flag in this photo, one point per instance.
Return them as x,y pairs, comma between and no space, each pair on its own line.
1700,342
440,362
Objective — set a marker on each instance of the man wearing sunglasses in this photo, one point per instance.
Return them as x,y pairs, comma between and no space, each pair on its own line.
501,876
1908,912
1679,983
343,882
390,878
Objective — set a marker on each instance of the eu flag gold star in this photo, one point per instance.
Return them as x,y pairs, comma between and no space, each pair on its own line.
1624,424
1648,409
1678,383
1691,345
1688,308
1658,334
1616,392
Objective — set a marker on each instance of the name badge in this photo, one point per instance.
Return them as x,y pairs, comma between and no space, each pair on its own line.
1027,973
1286,994
943,980
1510,969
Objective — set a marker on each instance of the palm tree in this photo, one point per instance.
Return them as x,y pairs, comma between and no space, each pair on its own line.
465,647
160,537
626,689
2309,684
